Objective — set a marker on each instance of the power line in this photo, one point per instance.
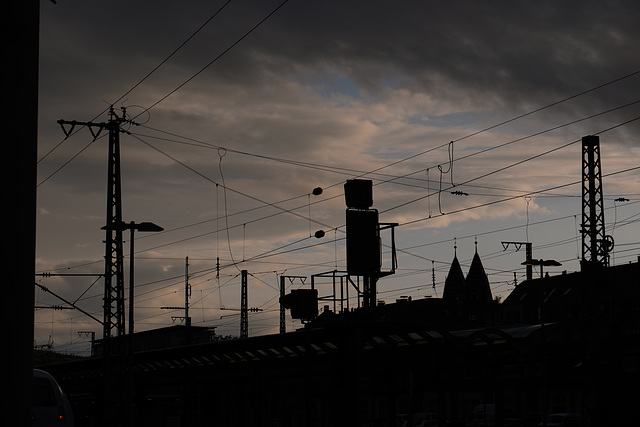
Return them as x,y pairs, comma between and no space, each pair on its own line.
513,165
161,64
273,205
464,183
511,120
234,44
280,251
350,171
176,50
517,197
395,178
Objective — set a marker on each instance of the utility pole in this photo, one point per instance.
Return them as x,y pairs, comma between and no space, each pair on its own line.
244,307
283,324
114,270
114,323
114,363
187,292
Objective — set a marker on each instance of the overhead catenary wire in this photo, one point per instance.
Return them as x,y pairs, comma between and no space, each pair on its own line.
219,56
221,153
494,202
143,79
468,181
387,178
511,165
451,160
244,194
275,252
513,119
552,104
147,109
517,197
526,114
484,233
175,51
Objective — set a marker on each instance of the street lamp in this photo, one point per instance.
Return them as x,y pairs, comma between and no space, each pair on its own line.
146,227
542,263
132,226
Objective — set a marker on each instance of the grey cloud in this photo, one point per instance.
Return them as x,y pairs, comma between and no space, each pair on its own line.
354,85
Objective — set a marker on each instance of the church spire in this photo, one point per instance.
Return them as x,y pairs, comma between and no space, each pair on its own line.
455,282
477,283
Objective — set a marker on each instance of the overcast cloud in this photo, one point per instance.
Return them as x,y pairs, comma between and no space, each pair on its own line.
234,133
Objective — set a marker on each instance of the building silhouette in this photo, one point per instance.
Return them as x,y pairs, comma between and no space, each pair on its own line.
568,343
468,299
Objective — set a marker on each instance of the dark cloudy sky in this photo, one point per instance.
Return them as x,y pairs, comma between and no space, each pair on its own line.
241,117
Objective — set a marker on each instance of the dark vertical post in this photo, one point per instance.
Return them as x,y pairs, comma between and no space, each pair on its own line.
283,325
370,291
244,307
113,275
113,358
187,292
131,282
591,189
20,85
130,409
593,233
529,249
529,254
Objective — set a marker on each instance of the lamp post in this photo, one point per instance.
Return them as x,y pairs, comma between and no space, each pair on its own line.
127,398
541,317
132,226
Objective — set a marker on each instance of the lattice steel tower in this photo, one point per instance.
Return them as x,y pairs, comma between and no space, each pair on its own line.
595,244
114,309
114,270
116,401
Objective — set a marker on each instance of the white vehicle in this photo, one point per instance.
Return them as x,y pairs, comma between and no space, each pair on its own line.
50,405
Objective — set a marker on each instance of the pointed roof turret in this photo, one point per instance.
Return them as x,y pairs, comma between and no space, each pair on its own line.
454,283
477,286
